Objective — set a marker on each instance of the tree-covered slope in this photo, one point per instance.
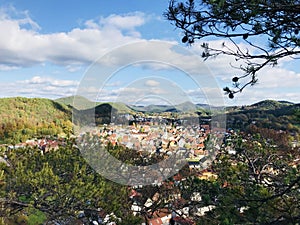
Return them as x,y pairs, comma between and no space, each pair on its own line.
82,103
23,118
78,102
276,115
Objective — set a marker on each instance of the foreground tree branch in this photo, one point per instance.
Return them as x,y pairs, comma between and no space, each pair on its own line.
269,28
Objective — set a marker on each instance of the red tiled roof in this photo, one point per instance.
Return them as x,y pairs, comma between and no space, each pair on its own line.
178,177
156,221
134,193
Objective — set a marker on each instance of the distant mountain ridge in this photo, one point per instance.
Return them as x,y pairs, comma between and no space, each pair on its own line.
83,103
67,103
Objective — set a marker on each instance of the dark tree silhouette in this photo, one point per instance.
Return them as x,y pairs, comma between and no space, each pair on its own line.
270,28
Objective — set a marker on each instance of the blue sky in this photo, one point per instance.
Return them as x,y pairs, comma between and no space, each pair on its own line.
48,47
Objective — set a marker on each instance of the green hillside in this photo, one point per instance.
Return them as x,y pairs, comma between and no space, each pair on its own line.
276,115
80,103
23,118
121,107
103,113
269,105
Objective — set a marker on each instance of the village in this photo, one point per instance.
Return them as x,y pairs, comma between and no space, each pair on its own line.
147,138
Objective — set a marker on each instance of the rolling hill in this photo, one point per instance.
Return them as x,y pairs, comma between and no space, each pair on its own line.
278,115
82,103
23,118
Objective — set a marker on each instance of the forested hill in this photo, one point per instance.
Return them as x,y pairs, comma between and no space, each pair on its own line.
82,103
278,115
23,118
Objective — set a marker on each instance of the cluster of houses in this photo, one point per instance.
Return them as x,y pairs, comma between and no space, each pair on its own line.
164,139
157,139
44,144
177,210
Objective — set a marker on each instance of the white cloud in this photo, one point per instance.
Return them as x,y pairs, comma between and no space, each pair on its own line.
253,95
8,12
152,83
275,83
278,83
113,84
39,87
74,67
7,67
128,21
49,81
21,44
278,77
133,94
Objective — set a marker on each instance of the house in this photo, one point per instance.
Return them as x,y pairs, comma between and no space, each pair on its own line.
203,210
196,197
200,146
135,208
207,175
206,128
155,221
160,217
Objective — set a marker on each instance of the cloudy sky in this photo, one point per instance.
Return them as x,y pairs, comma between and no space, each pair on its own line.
57,48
